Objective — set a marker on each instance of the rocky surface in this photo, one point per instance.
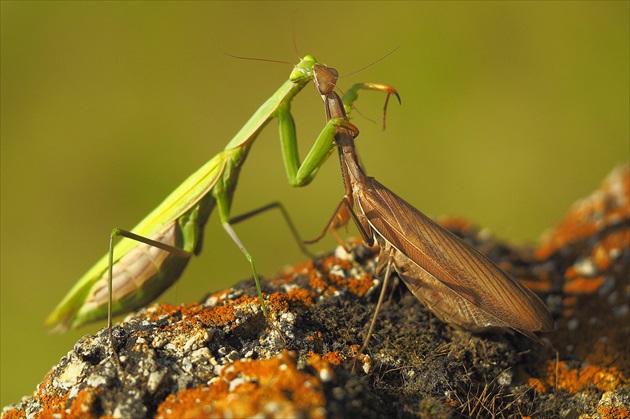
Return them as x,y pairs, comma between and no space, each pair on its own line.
221,358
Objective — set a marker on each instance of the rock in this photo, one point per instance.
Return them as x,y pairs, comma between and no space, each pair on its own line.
221,358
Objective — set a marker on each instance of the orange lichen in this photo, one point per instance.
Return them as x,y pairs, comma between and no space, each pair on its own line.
582,285
302,268
609,204
281,301
163,309
620,412
573,380
82,405
537,385
612,244
278,302
304,296
14,414
358,286
53,404
271,387
315,337
57,404
332,282
321,364
335,357
318,283
196,313
601,354
451,402
218,315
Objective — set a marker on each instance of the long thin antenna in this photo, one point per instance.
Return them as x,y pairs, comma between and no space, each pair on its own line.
371,64
295,47
256,59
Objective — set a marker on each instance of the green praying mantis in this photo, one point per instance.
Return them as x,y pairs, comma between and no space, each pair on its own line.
152,256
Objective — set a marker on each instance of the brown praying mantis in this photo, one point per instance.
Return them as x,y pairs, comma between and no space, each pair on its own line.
457,283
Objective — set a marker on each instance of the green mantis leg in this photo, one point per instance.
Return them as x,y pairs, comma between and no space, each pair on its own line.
352,94
223,207
117,232
287,218
298,174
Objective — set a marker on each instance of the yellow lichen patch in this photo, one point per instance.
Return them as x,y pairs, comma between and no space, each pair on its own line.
247,388
573,380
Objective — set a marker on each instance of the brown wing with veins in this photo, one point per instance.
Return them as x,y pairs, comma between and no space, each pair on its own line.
490,296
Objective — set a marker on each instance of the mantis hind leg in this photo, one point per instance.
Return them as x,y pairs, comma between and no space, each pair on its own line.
388,265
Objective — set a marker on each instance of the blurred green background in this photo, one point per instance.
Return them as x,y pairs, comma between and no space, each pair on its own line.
511,112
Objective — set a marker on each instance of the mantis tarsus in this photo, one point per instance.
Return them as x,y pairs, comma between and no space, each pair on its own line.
456,282
154,253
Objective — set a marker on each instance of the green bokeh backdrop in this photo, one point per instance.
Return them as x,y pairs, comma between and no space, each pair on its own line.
511,112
